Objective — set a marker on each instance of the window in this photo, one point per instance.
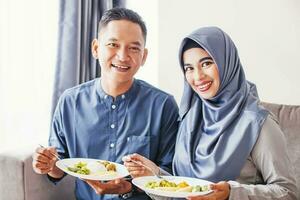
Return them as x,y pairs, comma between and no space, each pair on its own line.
28,38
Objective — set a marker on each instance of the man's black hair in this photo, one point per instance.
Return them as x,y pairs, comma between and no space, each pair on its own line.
122,14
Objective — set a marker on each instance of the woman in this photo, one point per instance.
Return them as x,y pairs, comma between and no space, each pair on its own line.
225,136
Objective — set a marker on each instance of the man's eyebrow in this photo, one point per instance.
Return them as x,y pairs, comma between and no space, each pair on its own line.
134,43
137,43
112,39
205,58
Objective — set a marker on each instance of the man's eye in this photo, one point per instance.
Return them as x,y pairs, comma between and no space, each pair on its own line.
113,45
207,64
135,49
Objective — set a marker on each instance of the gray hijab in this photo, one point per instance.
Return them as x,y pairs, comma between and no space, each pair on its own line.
217,135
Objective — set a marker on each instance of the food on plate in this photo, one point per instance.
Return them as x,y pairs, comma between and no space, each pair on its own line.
109,166
177,187
80,168
94,167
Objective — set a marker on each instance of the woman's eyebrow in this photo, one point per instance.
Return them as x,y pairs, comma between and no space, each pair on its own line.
186,64
205,58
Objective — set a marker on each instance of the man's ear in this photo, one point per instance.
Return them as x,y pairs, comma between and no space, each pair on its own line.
95,48
145,56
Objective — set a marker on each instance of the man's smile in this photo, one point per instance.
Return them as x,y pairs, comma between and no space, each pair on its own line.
121,68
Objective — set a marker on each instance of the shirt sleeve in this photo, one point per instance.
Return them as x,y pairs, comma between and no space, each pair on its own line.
271,159
56,138
168,132
57,133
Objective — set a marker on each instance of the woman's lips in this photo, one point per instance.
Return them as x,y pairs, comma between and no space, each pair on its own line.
204,86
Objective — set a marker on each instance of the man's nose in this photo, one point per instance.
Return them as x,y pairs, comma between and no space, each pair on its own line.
123,54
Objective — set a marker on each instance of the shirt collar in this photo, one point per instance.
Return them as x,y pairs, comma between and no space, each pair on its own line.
128,94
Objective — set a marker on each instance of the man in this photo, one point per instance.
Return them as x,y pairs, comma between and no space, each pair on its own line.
115,115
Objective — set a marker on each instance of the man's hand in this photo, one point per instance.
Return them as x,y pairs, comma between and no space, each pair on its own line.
44,162
136,170
221,191
118,186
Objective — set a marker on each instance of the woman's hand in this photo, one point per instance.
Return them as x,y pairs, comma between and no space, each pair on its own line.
135,169
118,186
221,191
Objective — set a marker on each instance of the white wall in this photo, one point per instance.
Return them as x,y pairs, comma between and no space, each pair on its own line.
266,33
27,63
148,10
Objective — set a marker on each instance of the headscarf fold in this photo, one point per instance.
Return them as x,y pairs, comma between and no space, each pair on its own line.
217,135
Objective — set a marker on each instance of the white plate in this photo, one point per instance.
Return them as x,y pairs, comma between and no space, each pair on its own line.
101,176
142,181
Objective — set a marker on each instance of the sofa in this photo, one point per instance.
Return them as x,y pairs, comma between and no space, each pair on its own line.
19,182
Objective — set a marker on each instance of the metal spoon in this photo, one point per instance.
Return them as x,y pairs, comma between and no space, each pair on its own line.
153,172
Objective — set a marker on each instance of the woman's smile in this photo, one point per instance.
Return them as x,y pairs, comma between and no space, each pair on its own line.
204,86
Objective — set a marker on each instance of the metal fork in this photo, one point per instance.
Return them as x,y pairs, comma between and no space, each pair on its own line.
56,156
153,172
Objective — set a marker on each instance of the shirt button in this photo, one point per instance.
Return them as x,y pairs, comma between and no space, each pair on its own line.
113,106
105,96
112,126
123,96
112,145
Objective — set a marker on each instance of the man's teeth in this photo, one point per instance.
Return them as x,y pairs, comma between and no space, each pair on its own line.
205,85
120,66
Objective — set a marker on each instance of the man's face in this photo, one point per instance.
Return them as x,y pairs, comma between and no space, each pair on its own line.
120,50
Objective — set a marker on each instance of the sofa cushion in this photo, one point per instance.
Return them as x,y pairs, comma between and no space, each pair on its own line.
11,176
20,182
289,120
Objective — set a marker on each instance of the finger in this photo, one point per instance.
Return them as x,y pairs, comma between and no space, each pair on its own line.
53,151
221,191
136,168
137,173
221,185
41,158
40,165
45,152
194,198
138,157
96,185
117,181
131,164
40,168
126,158
41,151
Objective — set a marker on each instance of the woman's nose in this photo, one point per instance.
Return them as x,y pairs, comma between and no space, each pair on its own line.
198,74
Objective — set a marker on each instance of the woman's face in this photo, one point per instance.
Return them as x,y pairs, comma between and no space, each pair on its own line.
201,72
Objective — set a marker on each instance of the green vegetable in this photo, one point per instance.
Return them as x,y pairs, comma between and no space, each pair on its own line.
198,188
80,168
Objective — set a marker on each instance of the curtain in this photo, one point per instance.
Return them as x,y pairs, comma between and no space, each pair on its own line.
78,26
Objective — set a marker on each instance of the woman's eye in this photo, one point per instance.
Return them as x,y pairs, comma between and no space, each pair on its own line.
207,64
188,68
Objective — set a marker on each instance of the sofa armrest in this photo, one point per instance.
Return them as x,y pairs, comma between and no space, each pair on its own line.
18,181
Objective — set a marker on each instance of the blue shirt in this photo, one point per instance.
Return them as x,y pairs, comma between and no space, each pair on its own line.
88,123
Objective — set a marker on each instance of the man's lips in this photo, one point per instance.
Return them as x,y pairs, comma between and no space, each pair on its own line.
121,68
204,86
